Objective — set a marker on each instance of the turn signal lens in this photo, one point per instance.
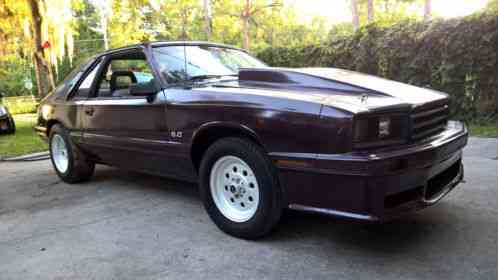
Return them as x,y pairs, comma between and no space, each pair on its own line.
46,111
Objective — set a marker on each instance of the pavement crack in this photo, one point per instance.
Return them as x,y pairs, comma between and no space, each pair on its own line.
51,184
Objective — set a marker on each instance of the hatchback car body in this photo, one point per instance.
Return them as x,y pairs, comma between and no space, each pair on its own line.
257,139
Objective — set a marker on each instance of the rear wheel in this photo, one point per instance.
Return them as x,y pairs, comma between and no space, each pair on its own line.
69,162
239,188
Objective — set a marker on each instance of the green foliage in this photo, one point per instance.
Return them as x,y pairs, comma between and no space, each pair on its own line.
24,141
20,104
484,129
13,72
457,56
492,6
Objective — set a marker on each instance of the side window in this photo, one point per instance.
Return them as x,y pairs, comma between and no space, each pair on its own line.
85,86
124,71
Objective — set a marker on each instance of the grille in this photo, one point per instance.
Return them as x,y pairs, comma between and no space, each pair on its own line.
429,120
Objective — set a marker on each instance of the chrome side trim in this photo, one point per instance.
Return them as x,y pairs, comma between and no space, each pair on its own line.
105,102
131,139
333,212
76,134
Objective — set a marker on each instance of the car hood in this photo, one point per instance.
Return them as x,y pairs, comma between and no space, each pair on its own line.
348,90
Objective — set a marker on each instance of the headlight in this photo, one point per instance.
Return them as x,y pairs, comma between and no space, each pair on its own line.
3,111
374,131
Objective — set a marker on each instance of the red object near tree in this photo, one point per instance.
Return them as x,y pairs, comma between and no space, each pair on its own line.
46,45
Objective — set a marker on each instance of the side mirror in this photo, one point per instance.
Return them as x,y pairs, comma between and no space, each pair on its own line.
146,89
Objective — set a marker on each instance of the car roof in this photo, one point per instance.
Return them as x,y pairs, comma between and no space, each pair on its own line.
170,43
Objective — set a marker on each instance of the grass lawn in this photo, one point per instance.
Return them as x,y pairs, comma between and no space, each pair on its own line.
484,130
24,141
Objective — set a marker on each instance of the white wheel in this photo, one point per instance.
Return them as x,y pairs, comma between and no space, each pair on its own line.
239,188
234,189
59,153
70,163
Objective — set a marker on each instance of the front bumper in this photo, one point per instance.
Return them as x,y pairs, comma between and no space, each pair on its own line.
376,185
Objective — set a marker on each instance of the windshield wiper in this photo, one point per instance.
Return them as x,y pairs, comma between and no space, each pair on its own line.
207,77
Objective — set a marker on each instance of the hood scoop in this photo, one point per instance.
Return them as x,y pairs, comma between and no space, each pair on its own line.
294,78
338,81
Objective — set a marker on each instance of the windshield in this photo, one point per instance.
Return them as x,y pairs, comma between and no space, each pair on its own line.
202,62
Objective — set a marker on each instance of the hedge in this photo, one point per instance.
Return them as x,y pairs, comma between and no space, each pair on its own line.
20,104
457,56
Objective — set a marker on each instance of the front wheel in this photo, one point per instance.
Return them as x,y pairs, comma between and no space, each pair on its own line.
239,188
69,162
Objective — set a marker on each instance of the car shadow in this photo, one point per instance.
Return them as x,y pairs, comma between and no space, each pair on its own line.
391,237
145,182
416,230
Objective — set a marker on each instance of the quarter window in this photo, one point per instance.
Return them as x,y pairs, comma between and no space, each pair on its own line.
86,84
121,72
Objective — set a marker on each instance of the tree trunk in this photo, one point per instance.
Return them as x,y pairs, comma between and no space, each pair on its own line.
356,17
427,10
184,15
246,14
207,19
43,69
103,23
245,33
386,7
371,13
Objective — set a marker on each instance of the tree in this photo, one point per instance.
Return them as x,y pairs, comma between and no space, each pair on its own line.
104,11
127,22
371,13
355,14
492,5
247,17
206,7
427,10
43,68
40,31
12,17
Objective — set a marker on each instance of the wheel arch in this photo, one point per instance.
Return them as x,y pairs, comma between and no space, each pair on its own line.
50,124
209,133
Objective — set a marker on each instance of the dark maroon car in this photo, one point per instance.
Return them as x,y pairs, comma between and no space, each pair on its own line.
257,139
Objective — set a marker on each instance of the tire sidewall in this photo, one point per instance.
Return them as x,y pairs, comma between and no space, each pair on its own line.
268,193
12,128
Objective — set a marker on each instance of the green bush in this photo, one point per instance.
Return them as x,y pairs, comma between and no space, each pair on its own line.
20,104
13,73
457,56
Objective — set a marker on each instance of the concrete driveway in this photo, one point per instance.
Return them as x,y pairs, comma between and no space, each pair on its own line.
124,225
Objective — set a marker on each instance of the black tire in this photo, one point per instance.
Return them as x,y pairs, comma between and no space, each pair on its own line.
79,167
269,208
12,128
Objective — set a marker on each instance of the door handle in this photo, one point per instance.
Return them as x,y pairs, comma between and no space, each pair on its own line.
89,111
